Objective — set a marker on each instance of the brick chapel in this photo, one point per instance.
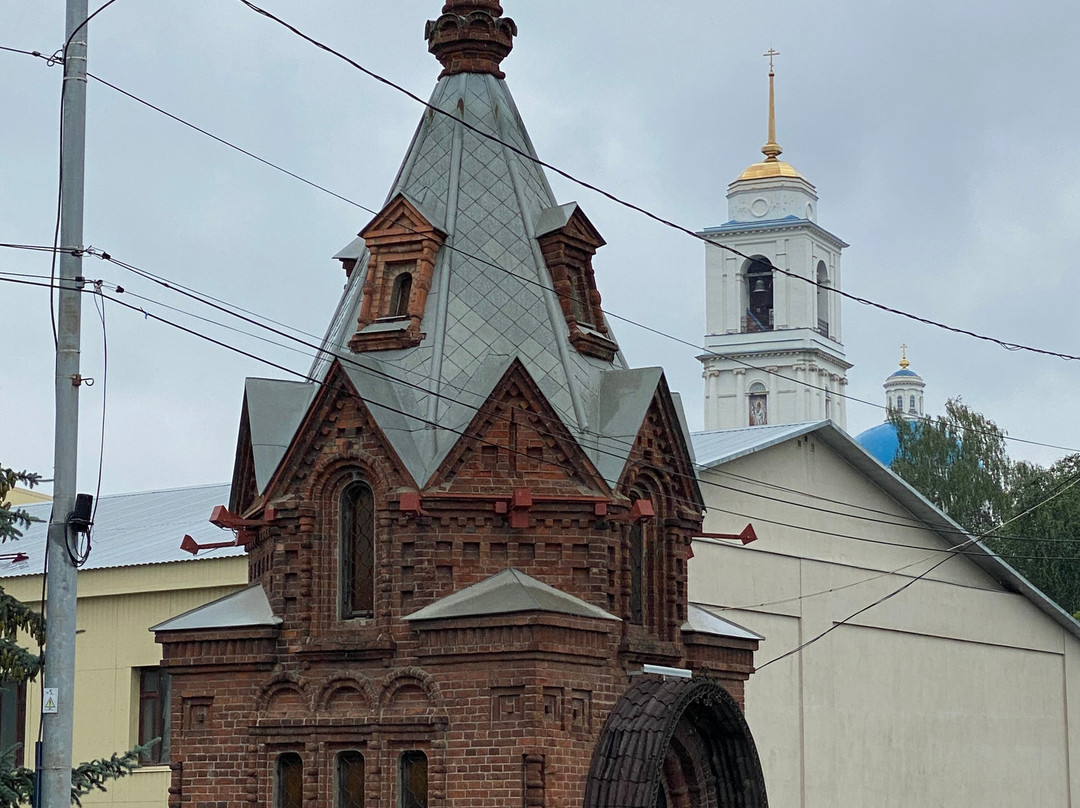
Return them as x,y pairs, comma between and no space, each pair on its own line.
468,534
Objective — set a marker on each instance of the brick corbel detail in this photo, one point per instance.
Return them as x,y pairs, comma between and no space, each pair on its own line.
567,252
400,234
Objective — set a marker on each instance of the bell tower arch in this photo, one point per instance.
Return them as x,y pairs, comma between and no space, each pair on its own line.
772,315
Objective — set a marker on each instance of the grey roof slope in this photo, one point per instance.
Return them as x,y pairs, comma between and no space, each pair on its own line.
248,607
491,299
508,591
135,529
702,620
722,446
275,409
491,292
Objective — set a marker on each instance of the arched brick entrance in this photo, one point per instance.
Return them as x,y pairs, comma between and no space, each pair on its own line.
675,743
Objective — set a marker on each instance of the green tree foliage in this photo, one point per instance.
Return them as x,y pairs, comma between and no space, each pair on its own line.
17,664
958,462
1052,561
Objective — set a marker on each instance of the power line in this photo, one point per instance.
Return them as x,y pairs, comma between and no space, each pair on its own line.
939,529
1011,346
486,262
226,308
1061,489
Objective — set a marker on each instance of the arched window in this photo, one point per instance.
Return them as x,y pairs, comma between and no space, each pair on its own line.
357,546
289,781
759,404
900,403
758,272
579,294
399,298
637,564
413,779
822,299
912,407
349,785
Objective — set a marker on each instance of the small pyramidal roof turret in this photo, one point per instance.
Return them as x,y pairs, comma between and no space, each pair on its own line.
772,165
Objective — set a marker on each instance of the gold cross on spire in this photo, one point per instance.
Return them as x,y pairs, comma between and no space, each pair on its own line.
903,356
771,53
771,149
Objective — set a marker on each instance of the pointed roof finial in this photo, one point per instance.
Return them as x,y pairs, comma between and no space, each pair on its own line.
471,36
772,149
903,357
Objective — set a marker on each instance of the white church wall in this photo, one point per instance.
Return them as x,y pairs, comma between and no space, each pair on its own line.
952,692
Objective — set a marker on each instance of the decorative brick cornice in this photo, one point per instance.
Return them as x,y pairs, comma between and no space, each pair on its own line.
471,36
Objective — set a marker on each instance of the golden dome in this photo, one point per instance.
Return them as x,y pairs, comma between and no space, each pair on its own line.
769,168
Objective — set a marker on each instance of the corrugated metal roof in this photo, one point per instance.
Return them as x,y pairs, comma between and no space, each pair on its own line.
724,445
135,529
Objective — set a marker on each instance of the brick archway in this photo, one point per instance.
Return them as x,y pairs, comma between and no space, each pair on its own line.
675,743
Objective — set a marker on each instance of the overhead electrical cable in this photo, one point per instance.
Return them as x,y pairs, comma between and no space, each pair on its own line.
611,314
1061,489
1011,346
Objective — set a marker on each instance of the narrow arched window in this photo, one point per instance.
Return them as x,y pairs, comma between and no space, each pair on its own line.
912,407
758,272
349,782
579,294
900,403
413,779
399,298
289,781
822,299
357,540
636,559
759,404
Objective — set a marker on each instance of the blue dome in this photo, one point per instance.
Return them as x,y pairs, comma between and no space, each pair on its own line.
904,372
880,441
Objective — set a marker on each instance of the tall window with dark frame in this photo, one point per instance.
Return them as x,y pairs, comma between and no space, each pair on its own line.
12,722
357,538
153,715
636,553
349,785
413,779
289,781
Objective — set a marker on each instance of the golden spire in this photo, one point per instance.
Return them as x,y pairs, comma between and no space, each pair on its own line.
772,149
903,357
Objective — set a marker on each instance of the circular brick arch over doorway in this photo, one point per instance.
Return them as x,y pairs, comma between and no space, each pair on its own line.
675,743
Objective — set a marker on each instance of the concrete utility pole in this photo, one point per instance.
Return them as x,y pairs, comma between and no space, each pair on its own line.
58,726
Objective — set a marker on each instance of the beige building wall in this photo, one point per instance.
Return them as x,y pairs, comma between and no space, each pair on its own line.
953,692
116,608
25,496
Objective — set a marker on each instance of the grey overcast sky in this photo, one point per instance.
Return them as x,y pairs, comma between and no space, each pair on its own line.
940,135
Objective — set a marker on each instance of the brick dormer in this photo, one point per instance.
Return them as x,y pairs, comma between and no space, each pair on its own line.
403,245
568,242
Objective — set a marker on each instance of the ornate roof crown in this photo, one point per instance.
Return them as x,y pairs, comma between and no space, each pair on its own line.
471,36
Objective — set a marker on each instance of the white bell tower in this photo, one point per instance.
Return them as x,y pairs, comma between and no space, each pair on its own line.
773,337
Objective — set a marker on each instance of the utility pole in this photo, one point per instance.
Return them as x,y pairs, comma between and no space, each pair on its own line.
58,726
